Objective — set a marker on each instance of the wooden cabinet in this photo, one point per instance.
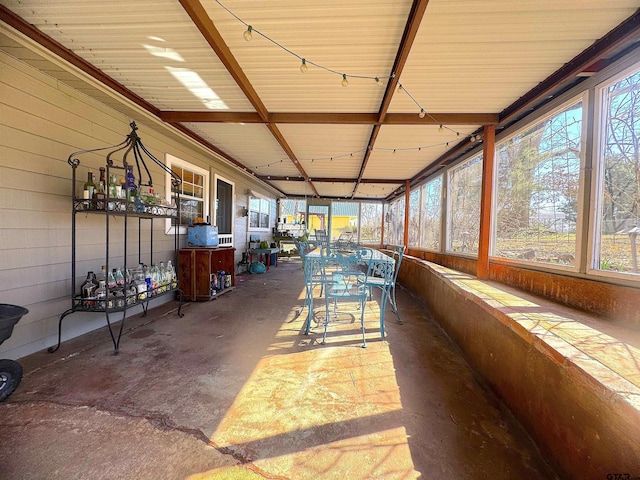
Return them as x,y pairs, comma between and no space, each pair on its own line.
196,267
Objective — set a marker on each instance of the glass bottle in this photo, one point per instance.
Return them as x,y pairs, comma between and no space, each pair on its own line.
112,191
89,188
122,193
132,188
119,277
100,193
111,279
101,295
173,280
88,288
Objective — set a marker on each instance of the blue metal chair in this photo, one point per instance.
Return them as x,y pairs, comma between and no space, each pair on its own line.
343,280
312,276
384,277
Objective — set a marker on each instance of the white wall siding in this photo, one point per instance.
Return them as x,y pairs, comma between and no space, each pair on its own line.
41,123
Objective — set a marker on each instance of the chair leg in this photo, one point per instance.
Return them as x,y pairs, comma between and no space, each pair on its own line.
326,320
364,339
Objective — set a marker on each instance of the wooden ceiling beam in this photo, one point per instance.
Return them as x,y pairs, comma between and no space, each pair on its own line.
201,20
332,118
410,30
275,178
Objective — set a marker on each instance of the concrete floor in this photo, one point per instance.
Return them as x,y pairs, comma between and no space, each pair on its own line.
235,390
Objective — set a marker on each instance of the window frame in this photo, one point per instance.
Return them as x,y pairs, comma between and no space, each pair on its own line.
170,161
581,96
597,168
249,210
446,248
423,199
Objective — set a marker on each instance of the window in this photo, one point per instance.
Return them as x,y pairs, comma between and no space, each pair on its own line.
617,192
394,222
370,223
344,220
414,217
259,213
194,192
537,187
431,214
465,185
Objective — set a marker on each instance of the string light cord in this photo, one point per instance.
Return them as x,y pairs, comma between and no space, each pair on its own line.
305,62
299,57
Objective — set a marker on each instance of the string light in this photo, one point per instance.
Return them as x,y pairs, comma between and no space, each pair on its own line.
345,82
247,33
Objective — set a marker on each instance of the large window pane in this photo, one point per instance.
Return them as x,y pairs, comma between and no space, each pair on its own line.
394,223
618,189
370,222
465,185
414,217
431,214
538,173
344,219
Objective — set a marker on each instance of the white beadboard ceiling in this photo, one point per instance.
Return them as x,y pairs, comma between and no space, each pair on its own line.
187,62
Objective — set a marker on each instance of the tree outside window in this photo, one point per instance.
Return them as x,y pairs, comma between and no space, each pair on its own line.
537,188
618,179
465,186
431,214
370,223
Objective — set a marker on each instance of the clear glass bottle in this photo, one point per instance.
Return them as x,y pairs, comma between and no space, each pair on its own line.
113,194
88,288
119,277
111,279
101,295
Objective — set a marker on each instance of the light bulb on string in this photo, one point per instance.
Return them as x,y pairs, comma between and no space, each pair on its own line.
247,33
422,113
440,128
303,66
379,82
345,82
399,87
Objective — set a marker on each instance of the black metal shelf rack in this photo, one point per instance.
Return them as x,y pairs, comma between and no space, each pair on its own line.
125,209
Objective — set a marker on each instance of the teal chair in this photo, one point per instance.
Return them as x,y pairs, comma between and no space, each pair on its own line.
385,278
344,280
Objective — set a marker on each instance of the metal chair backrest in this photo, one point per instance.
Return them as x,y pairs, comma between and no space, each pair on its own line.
343,274
322,238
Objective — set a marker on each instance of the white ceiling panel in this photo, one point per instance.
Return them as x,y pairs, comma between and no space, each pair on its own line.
335,189
294,188
352,37
252,144
152,47
468,56
402,151
481,56
334,151
375,191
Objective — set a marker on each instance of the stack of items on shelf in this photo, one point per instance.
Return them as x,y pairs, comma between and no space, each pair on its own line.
123,194
115,289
